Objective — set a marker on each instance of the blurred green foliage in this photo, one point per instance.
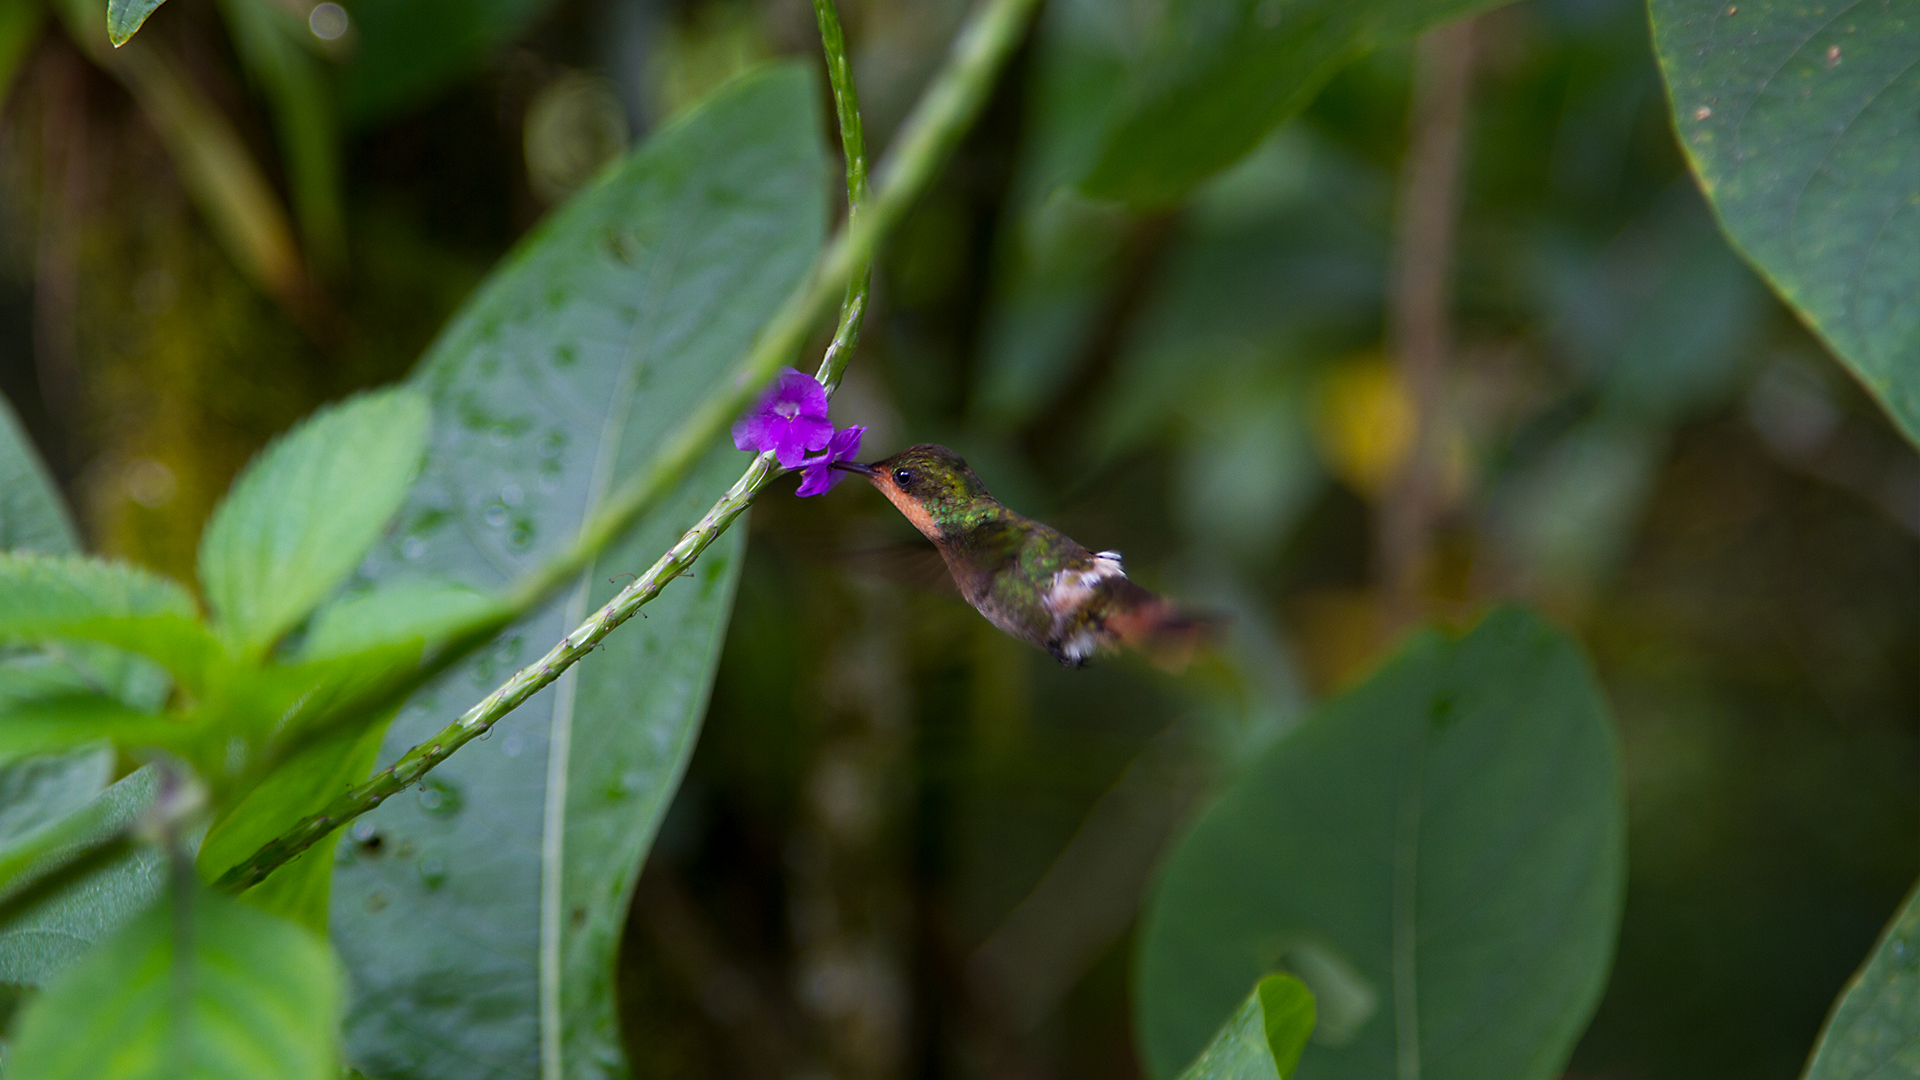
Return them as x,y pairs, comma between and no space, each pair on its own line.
904,844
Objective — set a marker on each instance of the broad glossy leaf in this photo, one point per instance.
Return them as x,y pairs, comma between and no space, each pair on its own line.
264,1002
1874,1032
507,877
299,519
1799,120
408,49
1439,855
1263,1040
1219,74
48,928
32,516
126,16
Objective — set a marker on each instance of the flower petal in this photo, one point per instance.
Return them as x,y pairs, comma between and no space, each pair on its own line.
798,388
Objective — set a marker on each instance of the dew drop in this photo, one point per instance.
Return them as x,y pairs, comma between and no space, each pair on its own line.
439,798
521,538
413,547
376,903
512,495
511,744
433,871
363,830
500,436
554,442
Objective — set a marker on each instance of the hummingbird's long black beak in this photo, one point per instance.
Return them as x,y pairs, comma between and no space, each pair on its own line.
854,466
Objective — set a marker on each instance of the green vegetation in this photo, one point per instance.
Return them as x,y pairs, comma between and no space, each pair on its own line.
392,683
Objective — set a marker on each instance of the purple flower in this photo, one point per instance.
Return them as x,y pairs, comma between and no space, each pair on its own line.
817,475
790,420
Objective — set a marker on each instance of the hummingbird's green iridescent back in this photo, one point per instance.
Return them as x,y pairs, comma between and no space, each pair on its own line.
1030,580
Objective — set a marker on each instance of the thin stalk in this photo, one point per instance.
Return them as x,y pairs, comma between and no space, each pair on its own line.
941,117
943,114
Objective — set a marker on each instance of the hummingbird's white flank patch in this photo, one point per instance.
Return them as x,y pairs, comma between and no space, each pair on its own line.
1072,588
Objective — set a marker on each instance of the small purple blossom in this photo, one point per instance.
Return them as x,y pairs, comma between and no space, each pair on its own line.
790,420
817,475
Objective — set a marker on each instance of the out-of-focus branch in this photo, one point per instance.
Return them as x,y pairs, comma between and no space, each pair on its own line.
1419,324
220,175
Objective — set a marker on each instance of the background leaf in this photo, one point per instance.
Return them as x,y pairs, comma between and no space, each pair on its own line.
32,515
1219,74
125,16
408,49
294,82
562,374
1874,1032
301,516
1798,120
1263,1039
1441,845
265,1002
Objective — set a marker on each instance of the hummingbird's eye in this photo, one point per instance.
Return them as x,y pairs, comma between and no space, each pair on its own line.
902,477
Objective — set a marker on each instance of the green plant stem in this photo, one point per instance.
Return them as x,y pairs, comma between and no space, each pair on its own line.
942,115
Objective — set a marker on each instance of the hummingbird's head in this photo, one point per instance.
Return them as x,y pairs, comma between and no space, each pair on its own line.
931,485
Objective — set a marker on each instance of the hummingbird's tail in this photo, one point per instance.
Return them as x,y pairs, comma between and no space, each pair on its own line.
1156,628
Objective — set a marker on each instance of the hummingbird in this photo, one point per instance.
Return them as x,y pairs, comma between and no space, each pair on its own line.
1028,579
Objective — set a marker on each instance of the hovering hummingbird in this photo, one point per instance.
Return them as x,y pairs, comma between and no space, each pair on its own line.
1028,579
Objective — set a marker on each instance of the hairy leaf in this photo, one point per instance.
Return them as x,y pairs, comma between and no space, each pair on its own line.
477,915
55,921
32,517
1443,845
299,519
1263,1040
394,614
1219,74
263,999
71,599
1798,119
1874,1032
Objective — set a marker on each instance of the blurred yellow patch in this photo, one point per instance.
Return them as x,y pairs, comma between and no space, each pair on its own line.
1364,427
1364,423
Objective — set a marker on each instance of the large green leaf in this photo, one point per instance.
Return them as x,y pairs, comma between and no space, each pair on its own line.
262,1000
32,517
1219,74
1263,1040
1874,1032
478,916
299,519
1439,854
50,926
1799,119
